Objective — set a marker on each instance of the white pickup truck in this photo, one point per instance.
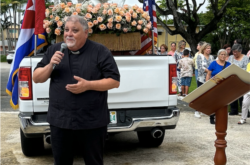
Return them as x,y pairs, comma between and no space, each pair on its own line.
145,102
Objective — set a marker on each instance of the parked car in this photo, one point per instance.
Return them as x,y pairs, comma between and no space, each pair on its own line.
10,56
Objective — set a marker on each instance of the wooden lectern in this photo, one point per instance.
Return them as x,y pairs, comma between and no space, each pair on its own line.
214,97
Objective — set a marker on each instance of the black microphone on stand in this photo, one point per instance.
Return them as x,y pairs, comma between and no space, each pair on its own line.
63,47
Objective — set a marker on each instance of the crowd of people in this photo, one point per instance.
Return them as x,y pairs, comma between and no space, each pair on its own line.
204,66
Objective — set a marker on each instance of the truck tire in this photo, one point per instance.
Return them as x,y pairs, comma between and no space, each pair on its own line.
146,139
9,61
31,146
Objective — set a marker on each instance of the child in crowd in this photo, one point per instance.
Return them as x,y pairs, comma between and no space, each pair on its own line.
186,65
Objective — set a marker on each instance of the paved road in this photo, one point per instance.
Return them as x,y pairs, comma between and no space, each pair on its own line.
5,98
191,143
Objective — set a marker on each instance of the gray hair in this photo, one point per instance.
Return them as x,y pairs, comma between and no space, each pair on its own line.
201,43
80,19
237,47
221,50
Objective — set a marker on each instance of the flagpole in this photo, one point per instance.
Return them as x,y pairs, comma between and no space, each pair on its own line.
35,45
153,51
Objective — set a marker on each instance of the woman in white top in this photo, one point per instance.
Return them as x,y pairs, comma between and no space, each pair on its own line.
203,61
241,61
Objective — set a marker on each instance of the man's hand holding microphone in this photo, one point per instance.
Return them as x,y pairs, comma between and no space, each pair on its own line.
58,56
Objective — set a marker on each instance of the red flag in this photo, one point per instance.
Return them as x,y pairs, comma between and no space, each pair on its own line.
40,16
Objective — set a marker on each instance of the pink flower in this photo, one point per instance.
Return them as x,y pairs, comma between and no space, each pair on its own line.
110,12
104,12
109,25
145,30
140,22
105,6
110,19
89,9
128,19
125,30
90,24
95,22
102,27
48,30
134,23
139,10
144,15
113,5
94,11
90,6
62,5
78,5
75,13
57,18
51,16
78,10
117,10
118,18
66,10
57,31
149,25
90,31
125,6
134,15
135,7
121,13
59,23
148,18
138,27
88,16
69,4
131,11
99,19
128,14
118,26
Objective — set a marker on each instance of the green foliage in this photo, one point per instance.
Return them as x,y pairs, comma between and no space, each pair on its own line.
235,23
3,58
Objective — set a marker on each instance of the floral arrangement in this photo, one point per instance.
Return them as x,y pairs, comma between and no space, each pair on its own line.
102,18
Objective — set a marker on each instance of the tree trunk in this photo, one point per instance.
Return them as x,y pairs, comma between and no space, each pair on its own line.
14,14
3,41
8,34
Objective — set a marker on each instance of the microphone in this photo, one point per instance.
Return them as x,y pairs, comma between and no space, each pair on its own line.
63,47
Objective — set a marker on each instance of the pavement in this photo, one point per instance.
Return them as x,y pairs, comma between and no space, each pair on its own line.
190,143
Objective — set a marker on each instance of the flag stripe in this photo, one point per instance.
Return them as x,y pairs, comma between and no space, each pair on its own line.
149,6
25,47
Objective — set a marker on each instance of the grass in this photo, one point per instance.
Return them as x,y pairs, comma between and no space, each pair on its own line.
3,58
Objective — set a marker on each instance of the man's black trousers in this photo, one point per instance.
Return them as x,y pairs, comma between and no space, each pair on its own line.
89,143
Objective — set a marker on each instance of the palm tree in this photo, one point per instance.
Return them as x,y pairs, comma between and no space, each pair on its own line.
4,9
5,24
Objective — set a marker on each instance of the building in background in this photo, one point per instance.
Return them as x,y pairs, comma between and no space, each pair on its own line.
165,38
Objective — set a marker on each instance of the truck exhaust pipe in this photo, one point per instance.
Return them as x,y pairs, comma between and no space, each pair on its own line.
156,133
47,139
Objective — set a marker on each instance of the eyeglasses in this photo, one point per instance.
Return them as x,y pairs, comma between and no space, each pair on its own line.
223,55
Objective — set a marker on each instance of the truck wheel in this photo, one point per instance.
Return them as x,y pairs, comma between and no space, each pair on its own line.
31,146
9,61
146,139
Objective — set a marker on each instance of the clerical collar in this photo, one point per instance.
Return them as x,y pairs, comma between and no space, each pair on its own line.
81,50
77,52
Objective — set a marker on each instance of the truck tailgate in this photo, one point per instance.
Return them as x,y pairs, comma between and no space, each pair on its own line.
144,83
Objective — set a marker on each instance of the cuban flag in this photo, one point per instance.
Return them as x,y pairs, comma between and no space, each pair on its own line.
32,25
146,42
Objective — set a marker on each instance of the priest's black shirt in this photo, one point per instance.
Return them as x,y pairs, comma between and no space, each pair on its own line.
87,110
